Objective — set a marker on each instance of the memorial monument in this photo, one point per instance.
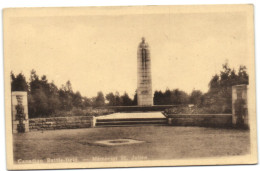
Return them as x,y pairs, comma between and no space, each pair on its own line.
144,78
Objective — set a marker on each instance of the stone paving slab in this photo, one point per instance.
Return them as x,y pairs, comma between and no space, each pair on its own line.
135,115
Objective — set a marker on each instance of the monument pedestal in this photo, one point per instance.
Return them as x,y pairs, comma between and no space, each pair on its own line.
20,120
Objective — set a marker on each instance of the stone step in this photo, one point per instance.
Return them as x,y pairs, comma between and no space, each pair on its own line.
132,119
131,122
132,125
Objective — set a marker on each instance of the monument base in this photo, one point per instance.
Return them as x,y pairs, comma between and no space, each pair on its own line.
139,108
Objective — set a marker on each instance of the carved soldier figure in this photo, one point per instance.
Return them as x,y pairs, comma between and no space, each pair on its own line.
144,80
240,110
20,116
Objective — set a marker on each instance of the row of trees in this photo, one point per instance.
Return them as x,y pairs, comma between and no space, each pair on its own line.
218,99
169,97
219,95
45,98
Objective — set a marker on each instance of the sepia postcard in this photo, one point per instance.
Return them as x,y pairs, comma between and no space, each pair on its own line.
132,86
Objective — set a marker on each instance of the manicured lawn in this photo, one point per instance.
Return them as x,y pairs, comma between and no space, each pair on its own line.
161,142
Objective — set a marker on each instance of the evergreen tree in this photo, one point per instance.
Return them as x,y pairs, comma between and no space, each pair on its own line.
126,101
219,96
110,97
100,99
18,83
135,99
196,97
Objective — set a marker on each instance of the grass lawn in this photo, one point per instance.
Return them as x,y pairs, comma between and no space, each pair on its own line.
160,142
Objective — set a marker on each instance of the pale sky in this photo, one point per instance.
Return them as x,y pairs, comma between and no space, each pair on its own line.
99,52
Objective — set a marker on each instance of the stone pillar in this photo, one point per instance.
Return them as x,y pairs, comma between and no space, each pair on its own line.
144,78
20,120
170,121
93,122
239,106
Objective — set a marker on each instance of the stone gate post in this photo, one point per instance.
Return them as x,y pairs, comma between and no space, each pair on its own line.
239,106
20,120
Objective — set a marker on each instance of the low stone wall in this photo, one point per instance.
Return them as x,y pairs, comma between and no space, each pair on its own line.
38,124
139,108
209,120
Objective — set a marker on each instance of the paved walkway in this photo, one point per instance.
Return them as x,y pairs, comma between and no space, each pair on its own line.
132,115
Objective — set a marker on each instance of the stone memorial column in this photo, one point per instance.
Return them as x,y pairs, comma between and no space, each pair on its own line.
144,76
20,120
239,106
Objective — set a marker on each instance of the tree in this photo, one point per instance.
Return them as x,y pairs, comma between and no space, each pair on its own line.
68,87
43,96
52,93
100,100
158,98
214,83
196,97
178,97
242,75
38,104
126,101
65,98
86,102
118,100
34,82
168,98
77,100
111,99
18,83
171,97
135,99
219,95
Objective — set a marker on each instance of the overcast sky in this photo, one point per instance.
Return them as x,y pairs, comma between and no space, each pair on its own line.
99,52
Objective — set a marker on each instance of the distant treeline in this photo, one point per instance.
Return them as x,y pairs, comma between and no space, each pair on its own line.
45,98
